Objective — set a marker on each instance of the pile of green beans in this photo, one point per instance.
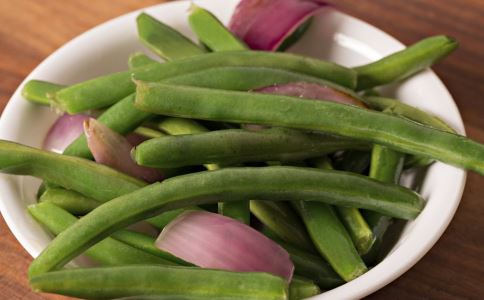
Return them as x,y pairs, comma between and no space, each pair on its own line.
331,222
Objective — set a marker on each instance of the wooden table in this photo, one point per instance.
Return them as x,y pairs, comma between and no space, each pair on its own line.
454,269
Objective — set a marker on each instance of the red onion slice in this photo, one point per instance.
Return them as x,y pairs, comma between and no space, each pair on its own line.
63,132
311,91
112,149
264,24
214,241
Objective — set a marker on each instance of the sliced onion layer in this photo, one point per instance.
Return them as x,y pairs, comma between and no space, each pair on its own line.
311,91
63,132
265,24
210,240
112,149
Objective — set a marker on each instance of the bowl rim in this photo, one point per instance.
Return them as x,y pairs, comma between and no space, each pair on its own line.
357,288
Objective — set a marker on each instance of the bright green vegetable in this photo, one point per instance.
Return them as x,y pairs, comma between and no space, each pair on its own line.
148,132
211,32
386,166
71,201
301,288
108,252
232,146
391,131
280,218
139,60
405,63
178,126
230,184
86,177
107,90
169,282
165,41
331,238
395,107
40,92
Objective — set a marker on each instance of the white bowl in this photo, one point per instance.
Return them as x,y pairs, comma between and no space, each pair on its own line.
333,35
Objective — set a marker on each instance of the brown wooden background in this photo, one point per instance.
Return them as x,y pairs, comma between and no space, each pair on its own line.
454,269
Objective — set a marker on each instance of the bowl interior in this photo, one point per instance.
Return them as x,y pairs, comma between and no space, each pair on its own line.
333,35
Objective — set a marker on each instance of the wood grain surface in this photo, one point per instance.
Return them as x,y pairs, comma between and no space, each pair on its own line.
453,269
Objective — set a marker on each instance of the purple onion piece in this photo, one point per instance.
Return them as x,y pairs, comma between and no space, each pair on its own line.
210,240
112,149
311,91
264,24
63,132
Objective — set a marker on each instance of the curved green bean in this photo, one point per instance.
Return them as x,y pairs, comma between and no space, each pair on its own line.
139,60
163,40
301,288
211,32
167,281
230,184
405,63
40,92
108,252
71,201
107,90
86,177
331,239
232,146
280,218
345,120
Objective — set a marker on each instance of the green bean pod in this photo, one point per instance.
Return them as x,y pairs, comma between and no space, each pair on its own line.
71,201
386,166
148,132
211,32
106,90
405,63
163,40
108,252
147,244
345,120
280,218
233,146
178,126
86,177
40,92
301,288
230,184
331,239
167,281
139,60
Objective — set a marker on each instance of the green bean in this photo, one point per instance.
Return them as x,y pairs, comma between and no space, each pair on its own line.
86,177
71,201
211,32
405,63
331,239
108,252
230,184
345,120
312,266
301,288
148,132
169,281
147,244
232,146
395,107
165,41
139,60
386,166
177,126
281,219
40,92
161,220
107,90
122,117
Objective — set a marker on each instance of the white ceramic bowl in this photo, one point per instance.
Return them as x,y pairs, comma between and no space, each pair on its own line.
333,35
